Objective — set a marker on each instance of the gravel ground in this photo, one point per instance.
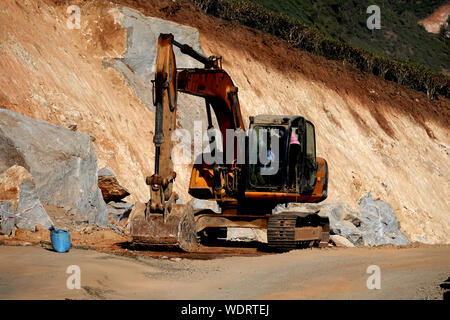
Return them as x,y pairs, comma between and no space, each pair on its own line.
420,272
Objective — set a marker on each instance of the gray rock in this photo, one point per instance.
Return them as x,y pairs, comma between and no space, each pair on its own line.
374,224
341,212
198,204
246,235
6,212
122,205
342,222
298,207
379,223
119,210
281,208
62,162
334,214
116,229
137,64
352,216
105,172
9,155
341,241
22,207
348,231
37,215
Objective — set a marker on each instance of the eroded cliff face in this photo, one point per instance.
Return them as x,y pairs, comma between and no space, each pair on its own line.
56,74
375,135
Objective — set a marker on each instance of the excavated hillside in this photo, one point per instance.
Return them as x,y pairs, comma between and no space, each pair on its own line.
377,136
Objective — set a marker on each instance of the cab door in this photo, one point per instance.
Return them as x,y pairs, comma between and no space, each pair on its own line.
308,161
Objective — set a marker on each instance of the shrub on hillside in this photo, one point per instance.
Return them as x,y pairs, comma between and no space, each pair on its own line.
306,38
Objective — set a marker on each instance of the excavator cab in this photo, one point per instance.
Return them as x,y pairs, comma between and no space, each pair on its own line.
282,159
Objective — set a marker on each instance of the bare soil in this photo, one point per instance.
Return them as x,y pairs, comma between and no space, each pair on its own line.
114,268
414,272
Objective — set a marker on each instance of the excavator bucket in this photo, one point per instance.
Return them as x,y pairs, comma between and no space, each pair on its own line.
175,229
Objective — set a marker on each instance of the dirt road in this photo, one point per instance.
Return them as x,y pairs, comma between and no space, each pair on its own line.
334,273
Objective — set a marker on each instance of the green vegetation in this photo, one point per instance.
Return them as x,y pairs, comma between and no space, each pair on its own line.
321,42
400,37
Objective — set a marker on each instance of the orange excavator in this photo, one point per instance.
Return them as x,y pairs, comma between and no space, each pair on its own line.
273,162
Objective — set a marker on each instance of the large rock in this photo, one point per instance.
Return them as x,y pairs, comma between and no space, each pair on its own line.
374,224
347,230
19,203
340,241
120,210
246,234
138,63
379,223
298,207
62,162
199,204
7,214
110,187
344,222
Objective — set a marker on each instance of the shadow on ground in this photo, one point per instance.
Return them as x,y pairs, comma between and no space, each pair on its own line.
446,287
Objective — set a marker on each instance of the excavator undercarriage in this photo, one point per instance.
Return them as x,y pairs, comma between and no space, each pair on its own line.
246,188
289,230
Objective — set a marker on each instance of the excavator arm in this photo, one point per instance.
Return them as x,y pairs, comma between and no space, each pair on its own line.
211,83
164,222
165,101
216,86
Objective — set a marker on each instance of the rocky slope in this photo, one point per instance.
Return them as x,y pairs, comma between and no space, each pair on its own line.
377,137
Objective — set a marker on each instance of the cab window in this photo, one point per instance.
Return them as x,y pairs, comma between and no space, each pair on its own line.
310,141
273,151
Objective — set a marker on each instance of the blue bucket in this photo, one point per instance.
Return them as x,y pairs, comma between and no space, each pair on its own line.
60,240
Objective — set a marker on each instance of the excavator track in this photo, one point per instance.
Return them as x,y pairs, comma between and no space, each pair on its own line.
288,231
281,232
